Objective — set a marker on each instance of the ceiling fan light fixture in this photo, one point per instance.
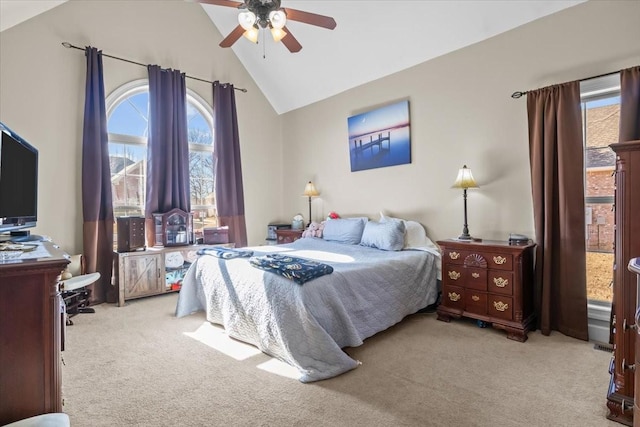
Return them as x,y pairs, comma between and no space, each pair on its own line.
246,19
278,33
252,34
277,18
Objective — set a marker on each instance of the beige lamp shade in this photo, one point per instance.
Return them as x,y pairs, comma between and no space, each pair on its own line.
310,190
465,179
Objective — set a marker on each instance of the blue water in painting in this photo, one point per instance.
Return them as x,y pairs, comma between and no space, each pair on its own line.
395,152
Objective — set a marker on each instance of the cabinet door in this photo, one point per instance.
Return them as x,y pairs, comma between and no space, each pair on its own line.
142,276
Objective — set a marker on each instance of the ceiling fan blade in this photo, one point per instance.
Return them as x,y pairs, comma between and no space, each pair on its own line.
291,42
310,18
232,37
228,3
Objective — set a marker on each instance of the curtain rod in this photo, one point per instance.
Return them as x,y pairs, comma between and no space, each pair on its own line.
70,46
516,95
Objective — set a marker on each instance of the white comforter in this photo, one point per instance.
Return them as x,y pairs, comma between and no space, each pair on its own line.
308,325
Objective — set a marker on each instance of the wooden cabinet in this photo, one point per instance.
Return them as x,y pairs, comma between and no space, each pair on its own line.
31,334
154,271
490,281
634,267
288,236
620,395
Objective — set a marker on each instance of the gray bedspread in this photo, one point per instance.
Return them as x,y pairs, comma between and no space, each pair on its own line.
308,326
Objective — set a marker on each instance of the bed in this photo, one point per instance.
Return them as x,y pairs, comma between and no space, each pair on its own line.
308,325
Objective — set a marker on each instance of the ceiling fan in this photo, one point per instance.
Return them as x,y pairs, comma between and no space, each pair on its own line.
256,14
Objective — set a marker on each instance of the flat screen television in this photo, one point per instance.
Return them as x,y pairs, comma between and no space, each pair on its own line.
18,185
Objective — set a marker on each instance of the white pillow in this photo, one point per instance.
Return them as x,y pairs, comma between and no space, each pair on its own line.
415,236
386,235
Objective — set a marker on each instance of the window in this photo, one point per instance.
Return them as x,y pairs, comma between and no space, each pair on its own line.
127,125
601,118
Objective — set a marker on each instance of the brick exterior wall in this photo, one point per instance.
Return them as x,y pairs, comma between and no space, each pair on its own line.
600,232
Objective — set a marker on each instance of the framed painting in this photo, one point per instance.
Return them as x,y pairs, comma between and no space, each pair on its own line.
380,137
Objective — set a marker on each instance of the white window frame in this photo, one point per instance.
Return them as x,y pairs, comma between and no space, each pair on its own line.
599,312
142,85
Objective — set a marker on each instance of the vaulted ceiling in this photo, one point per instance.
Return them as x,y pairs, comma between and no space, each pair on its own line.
372,39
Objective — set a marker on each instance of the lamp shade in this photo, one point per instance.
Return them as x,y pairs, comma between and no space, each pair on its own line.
277,18
465,179
310,190
246,19
278,34
252,34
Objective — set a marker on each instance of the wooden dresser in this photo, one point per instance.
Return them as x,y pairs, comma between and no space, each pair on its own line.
31,338
491,281
620,395
287,236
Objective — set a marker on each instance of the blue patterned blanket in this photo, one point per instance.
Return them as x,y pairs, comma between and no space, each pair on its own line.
299,270
226,253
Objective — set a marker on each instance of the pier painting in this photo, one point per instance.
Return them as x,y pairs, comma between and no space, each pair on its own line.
380,137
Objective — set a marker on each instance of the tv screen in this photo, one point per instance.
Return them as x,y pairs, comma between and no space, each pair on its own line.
18,182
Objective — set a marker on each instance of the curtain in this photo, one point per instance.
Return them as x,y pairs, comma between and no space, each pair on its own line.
557,174
630,104
97,206
228,168
168,147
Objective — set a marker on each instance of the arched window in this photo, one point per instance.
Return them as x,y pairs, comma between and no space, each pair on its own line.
127,125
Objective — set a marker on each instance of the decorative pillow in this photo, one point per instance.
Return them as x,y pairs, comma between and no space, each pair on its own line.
387,235
415,236
344,230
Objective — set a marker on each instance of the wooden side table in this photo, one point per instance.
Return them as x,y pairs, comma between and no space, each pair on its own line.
287,236
491,281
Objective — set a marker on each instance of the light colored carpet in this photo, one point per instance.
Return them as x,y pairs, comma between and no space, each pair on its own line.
139,365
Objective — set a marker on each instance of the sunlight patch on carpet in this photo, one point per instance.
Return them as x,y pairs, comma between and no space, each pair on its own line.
215,337
278,367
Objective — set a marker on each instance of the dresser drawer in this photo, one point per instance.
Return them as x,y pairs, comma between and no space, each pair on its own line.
475,302
452,256
453,275
475,278
500,261
501,282
453,297
500,307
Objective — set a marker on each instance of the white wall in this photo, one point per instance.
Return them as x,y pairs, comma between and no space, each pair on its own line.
461,113
460,107
42,96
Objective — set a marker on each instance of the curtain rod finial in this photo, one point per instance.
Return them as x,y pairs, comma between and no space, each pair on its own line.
516,95
66,44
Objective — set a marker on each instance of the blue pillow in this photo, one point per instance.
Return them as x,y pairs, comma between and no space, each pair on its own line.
344,230
386,235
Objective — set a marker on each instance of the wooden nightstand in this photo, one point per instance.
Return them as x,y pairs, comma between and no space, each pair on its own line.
287,236
490,281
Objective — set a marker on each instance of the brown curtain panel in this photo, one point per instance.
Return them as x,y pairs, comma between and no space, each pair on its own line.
630,104
557,174
97,207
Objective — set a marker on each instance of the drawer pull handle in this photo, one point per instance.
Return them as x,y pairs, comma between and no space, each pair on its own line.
454,296
500,282
475,298
625,366
454,255
499,260
454,275
626,326
500,306
475,275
